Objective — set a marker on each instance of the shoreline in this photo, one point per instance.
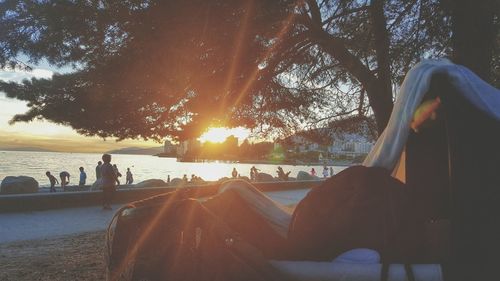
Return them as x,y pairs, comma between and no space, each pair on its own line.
268,162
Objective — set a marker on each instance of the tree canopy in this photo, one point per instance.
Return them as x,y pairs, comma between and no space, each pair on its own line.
152,69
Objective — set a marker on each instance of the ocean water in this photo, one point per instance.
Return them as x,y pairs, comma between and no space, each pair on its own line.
35,164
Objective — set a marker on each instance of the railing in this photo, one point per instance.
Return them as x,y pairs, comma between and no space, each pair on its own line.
47,201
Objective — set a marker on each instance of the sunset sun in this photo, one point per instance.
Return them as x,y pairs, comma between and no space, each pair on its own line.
219,134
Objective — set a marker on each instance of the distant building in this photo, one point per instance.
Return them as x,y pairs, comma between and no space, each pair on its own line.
344,144
350,145
188,145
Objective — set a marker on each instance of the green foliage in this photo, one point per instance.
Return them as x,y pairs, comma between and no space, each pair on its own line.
151,69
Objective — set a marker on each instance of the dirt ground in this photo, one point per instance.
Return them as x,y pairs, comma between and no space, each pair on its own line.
73,257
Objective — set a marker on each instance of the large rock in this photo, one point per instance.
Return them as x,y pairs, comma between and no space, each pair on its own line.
264,177
17,185
305,176
151,183
177,182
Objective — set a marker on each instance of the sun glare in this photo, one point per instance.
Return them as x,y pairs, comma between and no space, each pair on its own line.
219,134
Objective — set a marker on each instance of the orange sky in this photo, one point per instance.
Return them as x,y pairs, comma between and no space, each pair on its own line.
43,134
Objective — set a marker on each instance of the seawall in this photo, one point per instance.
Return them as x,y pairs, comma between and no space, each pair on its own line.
47,201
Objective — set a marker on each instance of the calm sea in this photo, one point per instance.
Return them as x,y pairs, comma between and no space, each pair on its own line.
35,164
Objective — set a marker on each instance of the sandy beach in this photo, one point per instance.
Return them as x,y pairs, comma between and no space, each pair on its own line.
72,257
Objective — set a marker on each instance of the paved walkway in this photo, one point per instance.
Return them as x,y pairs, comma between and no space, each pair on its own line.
45,224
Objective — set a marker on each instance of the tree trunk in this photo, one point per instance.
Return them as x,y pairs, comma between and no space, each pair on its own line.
383,85
474,35
378,87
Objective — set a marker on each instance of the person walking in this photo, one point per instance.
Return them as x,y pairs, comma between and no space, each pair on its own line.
108,181
53,181
98,171
83,177
64,179
129,178
118,174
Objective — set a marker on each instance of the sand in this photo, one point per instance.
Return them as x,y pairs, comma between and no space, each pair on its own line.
72,257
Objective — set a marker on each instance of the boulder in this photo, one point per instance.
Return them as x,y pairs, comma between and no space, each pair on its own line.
245,178
17,185
151,183
224,179
198,181
177,182
305,176
264,177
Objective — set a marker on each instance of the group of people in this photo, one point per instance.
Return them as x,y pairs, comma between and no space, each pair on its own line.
65,176
326,172
194,178
129,178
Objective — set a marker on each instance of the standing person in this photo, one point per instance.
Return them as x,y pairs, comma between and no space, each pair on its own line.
234,173
325,172
168,179
254,172
98,170
53,181
185,178
331,171
313,172
108,180
64,175
83,177
117,173
129,178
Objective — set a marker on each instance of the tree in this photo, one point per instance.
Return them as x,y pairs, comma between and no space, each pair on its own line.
475,29
176,67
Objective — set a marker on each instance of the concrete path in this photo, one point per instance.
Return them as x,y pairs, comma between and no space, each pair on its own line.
45,224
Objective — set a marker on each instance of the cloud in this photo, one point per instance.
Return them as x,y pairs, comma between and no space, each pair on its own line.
19,75
74,143
44,134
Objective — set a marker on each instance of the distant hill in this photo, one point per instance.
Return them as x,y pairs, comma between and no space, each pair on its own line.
137,150
29,148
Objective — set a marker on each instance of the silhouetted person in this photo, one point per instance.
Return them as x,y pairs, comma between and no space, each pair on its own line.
234,173
325,172
64,179
53,181
254,173
108,181
281,174
168,179
117,173
98,170
331,171
129,178
185,178
83,177
313,172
